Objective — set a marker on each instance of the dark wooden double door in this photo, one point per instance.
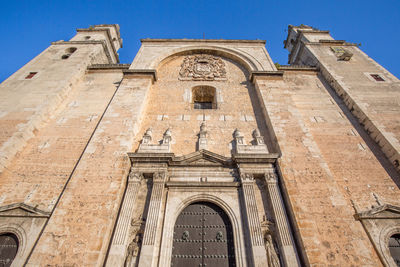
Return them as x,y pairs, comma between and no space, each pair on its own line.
203,237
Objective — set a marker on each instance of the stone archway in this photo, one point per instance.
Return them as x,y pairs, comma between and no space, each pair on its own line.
203,236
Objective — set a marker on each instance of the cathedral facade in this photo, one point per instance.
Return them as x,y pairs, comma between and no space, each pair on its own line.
200,153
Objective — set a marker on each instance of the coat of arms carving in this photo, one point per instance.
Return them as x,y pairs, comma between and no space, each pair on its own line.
202,67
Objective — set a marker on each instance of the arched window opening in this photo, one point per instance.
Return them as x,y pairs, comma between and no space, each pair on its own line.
68,52
8,248
204,97
394,248
203,236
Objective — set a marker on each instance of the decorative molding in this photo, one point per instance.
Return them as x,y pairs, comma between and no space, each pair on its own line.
22,210
385,211
202,67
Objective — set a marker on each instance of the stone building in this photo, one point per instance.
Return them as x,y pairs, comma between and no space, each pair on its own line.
200,153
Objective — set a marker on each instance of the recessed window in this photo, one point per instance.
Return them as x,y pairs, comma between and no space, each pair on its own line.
203,97
68,52
377,77
394,248
8,248
30,75
87,37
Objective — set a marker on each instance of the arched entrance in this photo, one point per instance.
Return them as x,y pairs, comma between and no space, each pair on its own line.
203,237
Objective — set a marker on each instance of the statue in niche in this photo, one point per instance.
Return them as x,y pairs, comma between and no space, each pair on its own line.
133,250
272,255
134,246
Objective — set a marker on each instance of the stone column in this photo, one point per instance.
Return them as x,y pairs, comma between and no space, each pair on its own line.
287,247
147,257
120,239
257,240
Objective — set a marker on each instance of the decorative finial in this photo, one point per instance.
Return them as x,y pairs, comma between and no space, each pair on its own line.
167,136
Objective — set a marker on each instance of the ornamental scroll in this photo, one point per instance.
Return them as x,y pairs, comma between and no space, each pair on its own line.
202,67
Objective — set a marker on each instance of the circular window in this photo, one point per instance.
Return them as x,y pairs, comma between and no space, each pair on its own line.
8,248
394,248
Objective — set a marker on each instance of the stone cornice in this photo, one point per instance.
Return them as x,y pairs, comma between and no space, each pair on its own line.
187,184
140,73
109,67
102,42
148,40
256,74
255,158
297,68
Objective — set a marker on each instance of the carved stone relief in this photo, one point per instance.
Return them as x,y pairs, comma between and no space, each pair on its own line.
202,67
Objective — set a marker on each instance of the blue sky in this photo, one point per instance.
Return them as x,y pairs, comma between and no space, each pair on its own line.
28,27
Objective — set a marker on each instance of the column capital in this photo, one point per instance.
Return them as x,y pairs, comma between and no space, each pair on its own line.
246,177
271,177
159,177
135,176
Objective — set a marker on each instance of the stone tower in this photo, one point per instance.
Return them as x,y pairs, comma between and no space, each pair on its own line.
200,153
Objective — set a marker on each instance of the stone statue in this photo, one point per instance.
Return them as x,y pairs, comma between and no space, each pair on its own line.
272,256
132,252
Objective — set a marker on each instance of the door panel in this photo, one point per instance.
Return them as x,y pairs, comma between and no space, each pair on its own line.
203,237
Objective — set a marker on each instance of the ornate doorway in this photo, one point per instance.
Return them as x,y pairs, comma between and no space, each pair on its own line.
203,237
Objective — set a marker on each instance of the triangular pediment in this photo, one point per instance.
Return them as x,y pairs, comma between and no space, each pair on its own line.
385,211
202,158
22,210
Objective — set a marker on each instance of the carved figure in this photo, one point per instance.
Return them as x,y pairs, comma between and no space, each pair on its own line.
272,256
202,67
132,252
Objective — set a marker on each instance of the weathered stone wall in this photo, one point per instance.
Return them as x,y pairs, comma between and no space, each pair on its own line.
42,168
325,165
171,106
26,104
84,218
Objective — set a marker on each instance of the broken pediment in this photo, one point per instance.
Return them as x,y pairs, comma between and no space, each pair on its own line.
202,158
22,210
385,211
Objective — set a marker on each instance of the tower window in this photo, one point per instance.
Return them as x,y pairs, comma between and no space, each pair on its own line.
377,77
30,75
68,52
204,97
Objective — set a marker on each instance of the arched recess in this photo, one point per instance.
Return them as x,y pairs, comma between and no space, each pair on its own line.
247,61
21,236
384,237
175,209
